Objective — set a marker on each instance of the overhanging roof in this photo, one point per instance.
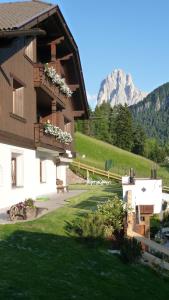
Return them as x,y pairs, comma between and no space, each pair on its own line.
15,15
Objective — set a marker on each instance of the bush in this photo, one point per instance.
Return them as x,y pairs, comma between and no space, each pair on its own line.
89,227
166,219
131,250
113,212
154,225
105,223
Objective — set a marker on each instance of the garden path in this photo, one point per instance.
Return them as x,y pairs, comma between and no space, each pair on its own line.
55,201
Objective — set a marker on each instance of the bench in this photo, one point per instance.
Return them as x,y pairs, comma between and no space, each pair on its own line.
60,187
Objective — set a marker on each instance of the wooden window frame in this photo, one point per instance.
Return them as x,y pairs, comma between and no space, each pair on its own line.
27,54
13,172
42,176
17,97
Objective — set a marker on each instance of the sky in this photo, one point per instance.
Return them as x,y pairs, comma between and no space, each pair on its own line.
132,35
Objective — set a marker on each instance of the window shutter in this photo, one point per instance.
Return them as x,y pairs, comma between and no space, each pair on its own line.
29,50
18,101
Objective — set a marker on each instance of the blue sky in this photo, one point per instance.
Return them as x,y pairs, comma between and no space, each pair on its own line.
129,34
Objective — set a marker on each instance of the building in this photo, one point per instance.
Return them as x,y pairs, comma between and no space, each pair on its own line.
42,92
144,197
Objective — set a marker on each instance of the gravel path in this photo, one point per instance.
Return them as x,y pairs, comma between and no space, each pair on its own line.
55,201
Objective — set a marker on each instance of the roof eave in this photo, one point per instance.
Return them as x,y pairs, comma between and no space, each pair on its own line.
72,41
38,18
21,32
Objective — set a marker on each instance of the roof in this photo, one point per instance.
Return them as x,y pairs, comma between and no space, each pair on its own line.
16,14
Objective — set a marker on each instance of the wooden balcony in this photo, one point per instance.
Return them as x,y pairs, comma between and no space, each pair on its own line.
47,141
41,81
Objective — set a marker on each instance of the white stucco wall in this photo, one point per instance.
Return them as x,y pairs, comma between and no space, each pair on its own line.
145,192
61,172
29,175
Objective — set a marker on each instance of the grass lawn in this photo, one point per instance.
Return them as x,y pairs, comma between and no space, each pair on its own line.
39,260
97,152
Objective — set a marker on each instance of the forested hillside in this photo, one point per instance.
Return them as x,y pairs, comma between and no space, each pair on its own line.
153,113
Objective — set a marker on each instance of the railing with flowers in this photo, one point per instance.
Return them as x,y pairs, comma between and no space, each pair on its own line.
62,136
57,80
47,136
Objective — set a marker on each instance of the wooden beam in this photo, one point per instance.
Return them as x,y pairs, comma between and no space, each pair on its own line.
66,57
53,51
74,87
78,113
21,32
57,41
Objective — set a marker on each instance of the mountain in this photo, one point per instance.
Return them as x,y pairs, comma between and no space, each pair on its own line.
118,88
153,113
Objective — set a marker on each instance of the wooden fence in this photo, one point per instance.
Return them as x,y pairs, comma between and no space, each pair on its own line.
97,171
107,174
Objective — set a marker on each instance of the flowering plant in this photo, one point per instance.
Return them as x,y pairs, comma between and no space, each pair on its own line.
56,79
63,136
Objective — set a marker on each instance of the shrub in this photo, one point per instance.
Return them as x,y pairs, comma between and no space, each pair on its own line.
154,225
166,219
131,250
89,227
113,212
105,222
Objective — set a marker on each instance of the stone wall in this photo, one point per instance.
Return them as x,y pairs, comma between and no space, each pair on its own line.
72,178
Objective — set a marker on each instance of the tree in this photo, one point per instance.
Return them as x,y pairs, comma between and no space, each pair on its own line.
153,151
123,131
100,123
138,139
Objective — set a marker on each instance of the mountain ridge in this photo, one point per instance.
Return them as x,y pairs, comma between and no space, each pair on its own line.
118,88
153,113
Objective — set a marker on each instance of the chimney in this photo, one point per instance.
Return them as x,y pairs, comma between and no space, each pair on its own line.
153,173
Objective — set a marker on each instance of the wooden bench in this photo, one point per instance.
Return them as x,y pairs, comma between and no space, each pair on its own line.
60,187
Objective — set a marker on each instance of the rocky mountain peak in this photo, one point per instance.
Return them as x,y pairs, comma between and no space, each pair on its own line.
118,88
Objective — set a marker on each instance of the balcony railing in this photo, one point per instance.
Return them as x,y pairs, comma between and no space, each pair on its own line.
48,141
41,80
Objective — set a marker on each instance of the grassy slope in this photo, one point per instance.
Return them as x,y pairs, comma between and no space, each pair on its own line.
39,260
97,152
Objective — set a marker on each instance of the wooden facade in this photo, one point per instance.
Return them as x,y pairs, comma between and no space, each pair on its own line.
27,97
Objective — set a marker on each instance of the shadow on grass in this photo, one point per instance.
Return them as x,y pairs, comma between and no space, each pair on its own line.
91,202
36,265
41,266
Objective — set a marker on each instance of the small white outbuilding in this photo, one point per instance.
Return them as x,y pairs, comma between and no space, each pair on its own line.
144,198
145,191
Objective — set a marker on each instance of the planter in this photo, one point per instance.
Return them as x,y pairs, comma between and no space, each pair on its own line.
31,212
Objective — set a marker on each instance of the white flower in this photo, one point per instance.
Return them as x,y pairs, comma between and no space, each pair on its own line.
63,136
56,79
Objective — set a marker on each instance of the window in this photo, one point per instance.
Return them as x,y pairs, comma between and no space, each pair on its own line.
29,50
42,171
17,171
18,98
13,171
